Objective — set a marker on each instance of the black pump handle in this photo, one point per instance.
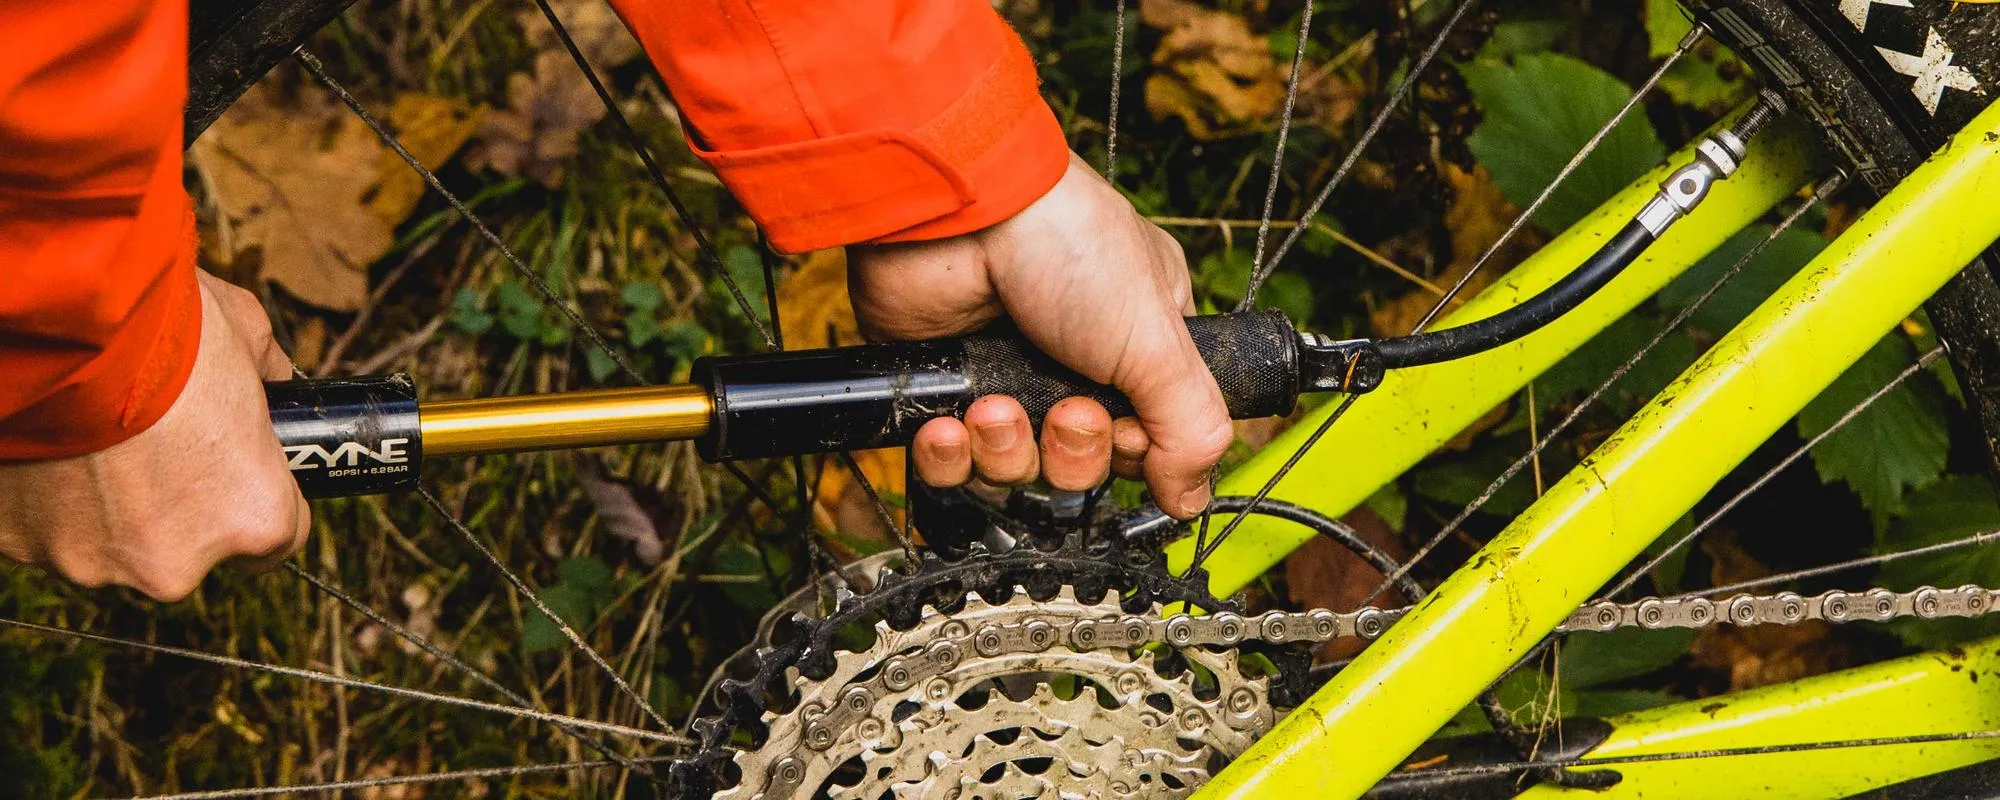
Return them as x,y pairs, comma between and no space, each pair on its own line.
854,398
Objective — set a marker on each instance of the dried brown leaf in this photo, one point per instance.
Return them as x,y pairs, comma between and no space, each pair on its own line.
313,191
291,182
1764,654
1221,79
603,38
1210,70
536,135
1476,218
1323,574
552,104
619,513
432,128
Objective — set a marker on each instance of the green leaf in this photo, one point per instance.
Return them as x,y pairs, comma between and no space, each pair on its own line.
1954,507
1710,77
1540,112
1592,660
642,296
685,340
1457,482
467,314
1778,262
1391,505
582,588
1666,24
1585,369
600,365
743,264
1897,444
641,327
1518,36
520,314
1612,702
745,563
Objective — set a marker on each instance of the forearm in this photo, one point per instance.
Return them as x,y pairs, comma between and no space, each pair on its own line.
857,121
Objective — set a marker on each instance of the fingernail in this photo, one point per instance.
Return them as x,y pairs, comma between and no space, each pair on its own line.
1000,436
1195,499
948,451
1071,440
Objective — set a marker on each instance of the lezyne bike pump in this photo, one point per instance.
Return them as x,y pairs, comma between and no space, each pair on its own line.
366,435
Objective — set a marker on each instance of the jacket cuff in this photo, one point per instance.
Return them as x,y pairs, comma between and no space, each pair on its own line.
989,154
126,386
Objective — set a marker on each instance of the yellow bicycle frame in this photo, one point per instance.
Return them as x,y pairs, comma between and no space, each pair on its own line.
1467,632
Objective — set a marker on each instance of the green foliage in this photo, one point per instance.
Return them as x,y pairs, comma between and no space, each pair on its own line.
582,589
1897,444
1591,673
745,569
468,312
1456,482
524,316
1529,132
1710,77
1953,507
37,684
1223,275
1583,370
1735,299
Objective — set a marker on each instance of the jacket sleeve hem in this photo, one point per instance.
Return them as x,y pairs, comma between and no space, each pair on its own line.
991,152
128,385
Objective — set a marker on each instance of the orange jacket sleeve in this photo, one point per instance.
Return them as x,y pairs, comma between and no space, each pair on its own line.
99,313
844,121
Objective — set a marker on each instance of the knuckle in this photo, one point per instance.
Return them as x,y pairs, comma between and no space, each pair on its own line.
166,586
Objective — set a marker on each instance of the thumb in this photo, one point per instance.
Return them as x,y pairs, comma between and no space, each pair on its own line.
1182,411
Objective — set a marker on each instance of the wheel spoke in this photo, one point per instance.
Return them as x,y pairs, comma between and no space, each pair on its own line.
1264,491
1982,537
355,683
1825,189
1687,43
576,642
659,176
448,658
457,776
1117,78
1798,453
1284,131
1263,270
312,66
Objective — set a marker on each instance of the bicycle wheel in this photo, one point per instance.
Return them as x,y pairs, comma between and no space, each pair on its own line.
1165,721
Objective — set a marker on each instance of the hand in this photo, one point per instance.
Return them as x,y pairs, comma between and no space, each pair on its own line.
205,484
1097,287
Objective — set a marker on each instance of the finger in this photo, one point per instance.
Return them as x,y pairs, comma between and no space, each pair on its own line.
1003,443
942,453
1128,448
1182,412
1076,444
251,324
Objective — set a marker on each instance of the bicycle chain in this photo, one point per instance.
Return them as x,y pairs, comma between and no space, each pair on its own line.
1742,610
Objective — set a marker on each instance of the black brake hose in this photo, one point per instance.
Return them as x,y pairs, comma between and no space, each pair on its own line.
1521,320
1716,157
